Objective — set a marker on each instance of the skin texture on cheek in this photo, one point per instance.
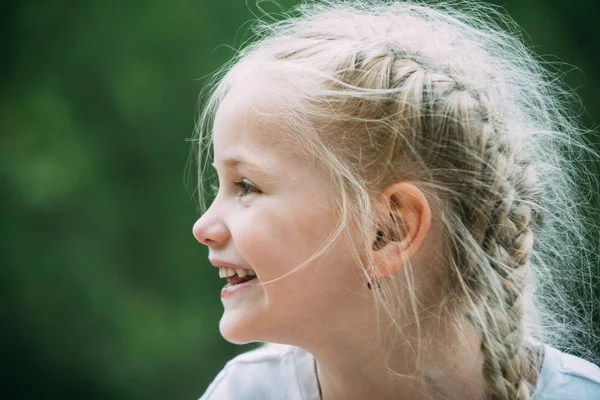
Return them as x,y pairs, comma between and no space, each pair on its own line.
274,241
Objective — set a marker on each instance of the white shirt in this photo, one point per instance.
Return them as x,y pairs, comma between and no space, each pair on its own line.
283,372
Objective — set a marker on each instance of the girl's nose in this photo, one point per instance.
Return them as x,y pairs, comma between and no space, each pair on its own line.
209,231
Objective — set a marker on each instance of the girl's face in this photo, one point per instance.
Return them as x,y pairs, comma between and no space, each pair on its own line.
272,212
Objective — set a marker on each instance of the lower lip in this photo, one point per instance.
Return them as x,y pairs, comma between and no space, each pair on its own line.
231,290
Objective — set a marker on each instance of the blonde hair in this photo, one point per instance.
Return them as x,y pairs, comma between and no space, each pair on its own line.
442,96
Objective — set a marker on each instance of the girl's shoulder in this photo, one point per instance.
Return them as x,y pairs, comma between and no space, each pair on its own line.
564,377
272,371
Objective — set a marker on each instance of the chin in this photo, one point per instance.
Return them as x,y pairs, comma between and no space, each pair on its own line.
237,329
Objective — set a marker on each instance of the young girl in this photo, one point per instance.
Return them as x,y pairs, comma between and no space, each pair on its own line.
395,212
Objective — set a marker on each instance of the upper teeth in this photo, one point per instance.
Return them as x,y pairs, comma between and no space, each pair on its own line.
225,272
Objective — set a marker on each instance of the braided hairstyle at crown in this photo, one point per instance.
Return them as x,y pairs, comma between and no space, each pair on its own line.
450,101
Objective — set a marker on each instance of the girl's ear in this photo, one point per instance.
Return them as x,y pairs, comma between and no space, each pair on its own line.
404,224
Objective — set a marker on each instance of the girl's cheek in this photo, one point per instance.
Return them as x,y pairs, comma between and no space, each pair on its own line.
252,237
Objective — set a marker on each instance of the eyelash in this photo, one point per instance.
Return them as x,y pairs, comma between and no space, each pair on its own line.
247,188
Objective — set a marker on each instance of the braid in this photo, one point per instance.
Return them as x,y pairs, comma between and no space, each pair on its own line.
501,217
499,204
508,213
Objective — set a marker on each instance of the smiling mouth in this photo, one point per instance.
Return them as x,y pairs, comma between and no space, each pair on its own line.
236,280
236,276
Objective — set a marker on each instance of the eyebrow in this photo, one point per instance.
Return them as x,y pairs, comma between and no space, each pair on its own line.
233,162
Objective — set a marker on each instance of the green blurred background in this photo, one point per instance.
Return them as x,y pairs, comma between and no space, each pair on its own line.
104,293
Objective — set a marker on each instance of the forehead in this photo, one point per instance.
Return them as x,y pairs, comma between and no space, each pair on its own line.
251,123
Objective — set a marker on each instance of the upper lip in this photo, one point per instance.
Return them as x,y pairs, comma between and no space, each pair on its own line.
220,263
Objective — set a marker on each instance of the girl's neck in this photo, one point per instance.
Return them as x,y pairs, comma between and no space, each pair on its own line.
349,371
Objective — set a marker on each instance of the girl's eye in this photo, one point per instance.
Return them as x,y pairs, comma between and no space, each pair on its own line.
247,187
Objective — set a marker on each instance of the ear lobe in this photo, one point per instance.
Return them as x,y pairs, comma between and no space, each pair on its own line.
404,229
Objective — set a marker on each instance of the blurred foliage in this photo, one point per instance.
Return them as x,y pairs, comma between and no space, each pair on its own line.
104,292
